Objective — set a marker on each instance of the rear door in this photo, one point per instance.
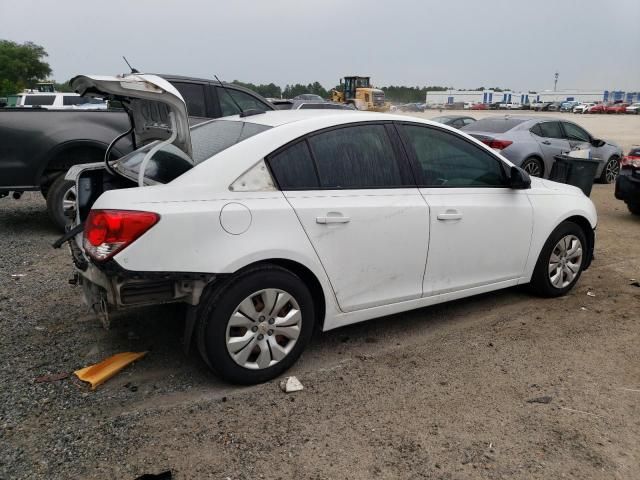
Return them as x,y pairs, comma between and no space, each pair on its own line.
480,229
353,192
551,139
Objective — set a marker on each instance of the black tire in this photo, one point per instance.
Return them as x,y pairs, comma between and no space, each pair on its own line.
56,195
612,164
540,281
531,165
634,208
217,306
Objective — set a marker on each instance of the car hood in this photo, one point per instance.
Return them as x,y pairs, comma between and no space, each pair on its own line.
150,99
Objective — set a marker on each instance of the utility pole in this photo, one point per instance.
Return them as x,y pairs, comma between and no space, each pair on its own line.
555,82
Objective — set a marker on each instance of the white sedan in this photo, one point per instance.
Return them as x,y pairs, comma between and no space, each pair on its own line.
270,224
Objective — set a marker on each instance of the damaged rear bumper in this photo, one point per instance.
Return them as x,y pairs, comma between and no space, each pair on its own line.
108,287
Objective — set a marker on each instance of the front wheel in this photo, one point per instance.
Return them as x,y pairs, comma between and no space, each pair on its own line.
561,261
256,326
610,170
61,201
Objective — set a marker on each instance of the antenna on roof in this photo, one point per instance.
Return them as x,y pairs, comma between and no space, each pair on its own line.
243,113
133,70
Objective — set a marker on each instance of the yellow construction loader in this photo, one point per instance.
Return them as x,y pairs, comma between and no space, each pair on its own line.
357,91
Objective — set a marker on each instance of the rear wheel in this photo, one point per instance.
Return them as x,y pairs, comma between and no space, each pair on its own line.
533,167
255,327
61,201
610,170
561,261
634,208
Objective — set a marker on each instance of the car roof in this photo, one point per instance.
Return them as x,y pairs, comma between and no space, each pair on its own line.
280,117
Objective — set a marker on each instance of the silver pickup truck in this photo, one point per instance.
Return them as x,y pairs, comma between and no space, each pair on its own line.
37,146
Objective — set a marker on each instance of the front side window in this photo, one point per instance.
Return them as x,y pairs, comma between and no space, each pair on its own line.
193,95
551,130
575,133
36,100
355,157
447,160
246,101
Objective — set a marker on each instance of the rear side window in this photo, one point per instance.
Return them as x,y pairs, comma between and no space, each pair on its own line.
293,168
35,100
355,157
246,101
551,130
193,95
446,160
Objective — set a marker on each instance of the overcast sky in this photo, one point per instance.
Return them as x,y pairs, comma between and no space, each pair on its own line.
466,44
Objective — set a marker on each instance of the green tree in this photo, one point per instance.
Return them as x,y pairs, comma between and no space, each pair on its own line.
21,66
269,91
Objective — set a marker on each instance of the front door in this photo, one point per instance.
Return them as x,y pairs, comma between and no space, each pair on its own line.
357,202
480,229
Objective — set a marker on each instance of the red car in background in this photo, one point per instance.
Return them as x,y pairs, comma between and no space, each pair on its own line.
598,108
617,108
479,106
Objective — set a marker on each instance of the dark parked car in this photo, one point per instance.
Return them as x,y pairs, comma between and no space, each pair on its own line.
628,181
309,96
38,146
455,121
554,107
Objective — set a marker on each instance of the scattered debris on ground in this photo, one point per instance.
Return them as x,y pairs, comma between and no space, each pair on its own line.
290,385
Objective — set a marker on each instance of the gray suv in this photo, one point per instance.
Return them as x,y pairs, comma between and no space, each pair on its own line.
532,142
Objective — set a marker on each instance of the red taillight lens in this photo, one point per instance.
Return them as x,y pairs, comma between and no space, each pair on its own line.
497,144
630,161
106,232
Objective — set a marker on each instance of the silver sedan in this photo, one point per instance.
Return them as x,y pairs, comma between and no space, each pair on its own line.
532,142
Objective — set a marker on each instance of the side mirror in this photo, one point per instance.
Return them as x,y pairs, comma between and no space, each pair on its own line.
596,142
519,179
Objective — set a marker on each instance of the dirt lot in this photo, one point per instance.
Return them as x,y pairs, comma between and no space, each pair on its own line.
501,386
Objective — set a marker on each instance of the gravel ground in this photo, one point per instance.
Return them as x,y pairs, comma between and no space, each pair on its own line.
501,386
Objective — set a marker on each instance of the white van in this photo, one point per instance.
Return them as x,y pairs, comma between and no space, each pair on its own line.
55,100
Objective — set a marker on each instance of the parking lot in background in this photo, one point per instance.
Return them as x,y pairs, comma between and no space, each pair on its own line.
504,385
621,129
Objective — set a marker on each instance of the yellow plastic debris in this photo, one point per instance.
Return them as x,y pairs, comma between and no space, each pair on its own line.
101,372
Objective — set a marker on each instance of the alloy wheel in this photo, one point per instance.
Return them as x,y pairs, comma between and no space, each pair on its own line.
612,169
565,261
69,201
532,168
263,329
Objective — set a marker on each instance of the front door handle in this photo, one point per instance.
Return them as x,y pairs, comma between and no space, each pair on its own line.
546,142
450,215
333,219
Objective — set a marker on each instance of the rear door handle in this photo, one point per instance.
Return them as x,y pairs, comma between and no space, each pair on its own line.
450,215
333,219
546,142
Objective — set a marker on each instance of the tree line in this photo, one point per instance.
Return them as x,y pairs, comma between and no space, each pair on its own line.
23,65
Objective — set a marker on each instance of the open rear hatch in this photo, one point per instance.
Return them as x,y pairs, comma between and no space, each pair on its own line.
158,114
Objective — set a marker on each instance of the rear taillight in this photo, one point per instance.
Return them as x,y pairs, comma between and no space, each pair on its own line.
630,161
497,144
106,232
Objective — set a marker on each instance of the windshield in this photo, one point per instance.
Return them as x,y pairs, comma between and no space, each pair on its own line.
207,140
495,125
